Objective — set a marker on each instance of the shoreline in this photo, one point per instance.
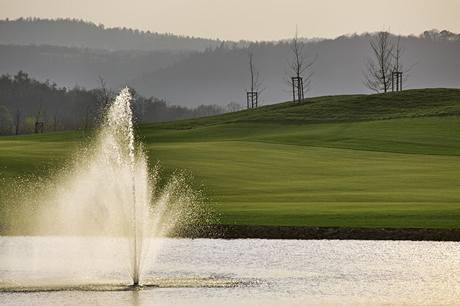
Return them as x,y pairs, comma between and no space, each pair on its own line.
230,232
319,233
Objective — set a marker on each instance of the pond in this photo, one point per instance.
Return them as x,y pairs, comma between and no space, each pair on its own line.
95,271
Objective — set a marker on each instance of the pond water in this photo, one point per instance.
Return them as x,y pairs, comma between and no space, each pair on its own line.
95,271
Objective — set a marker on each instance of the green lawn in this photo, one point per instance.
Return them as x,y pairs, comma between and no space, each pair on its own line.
353,161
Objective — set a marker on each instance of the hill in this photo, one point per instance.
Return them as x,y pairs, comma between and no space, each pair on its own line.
367,161
410,103
72,67
71,53
221,75
25,101
83,34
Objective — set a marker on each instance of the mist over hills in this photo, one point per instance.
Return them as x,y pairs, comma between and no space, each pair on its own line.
83,34
71,67
222,75
197,71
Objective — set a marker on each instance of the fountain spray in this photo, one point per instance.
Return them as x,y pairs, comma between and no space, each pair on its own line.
130,135
136,262
109,191
125,115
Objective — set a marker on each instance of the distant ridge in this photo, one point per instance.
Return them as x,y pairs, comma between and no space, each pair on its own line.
191,71
80,33
70,32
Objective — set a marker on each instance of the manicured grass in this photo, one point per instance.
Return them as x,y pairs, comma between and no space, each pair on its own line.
351,161
275,184
36,155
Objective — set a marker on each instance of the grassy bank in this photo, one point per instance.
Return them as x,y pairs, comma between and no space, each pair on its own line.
344,161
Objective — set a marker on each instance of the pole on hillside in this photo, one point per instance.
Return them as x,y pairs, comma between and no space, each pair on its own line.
297,89
396,81
252,98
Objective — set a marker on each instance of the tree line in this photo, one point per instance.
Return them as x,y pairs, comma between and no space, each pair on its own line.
77,32
28,106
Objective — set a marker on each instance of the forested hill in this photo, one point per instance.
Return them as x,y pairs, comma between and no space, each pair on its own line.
78,33
186,72
429,60
82,66
24,102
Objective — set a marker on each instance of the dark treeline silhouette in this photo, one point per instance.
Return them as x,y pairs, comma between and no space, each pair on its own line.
28,105
80,33
71,67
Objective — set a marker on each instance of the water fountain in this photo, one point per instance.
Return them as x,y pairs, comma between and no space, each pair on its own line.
120,121
108,193
116,148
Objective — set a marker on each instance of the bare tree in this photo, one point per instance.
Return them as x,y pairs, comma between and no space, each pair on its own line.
397,53
17,121
397,73
380,66
39,124
300,69
87,118
398,66
254,93
55,121
233,107
103,98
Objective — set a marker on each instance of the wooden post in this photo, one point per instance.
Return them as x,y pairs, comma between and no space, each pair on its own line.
299,92
396,81
401,81
247,99
293,89
297,89
393,81
252,99
301,89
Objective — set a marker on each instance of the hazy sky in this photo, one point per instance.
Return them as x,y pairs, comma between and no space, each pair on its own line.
250,19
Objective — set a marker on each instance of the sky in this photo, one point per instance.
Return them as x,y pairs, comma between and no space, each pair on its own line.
250,19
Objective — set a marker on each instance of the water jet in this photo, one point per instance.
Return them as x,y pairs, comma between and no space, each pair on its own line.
108,192
100,218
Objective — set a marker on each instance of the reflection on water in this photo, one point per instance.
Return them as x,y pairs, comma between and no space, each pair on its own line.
230,272
135,298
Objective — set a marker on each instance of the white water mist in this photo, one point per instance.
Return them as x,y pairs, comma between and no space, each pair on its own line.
109,192
119,129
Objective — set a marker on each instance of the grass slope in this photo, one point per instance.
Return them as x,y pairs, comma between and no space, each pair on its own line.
388,160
